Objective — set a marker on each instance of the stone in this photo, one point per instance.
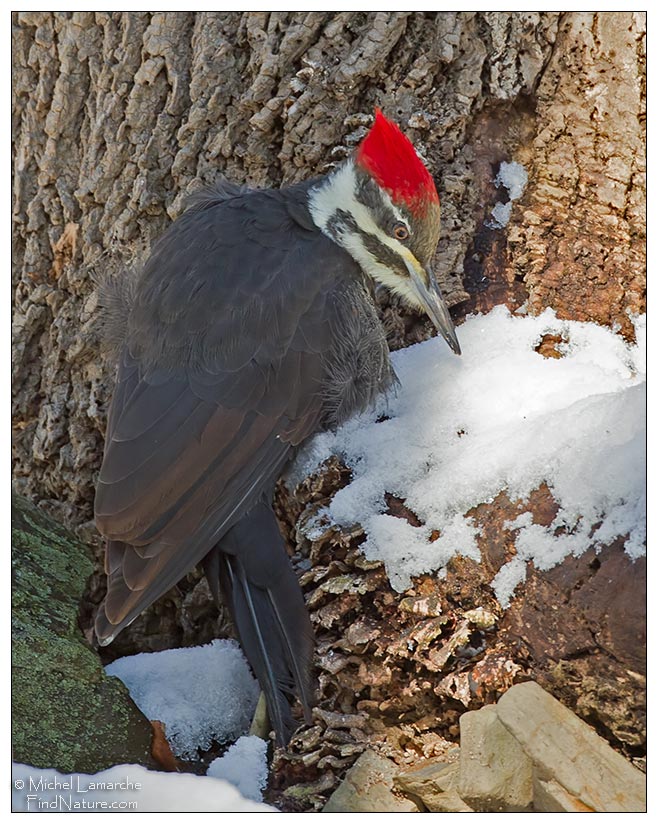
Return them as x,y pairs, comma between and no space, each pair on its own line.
449,802
432,773
66,712
433,783
368,788
551,797
495,775
564,749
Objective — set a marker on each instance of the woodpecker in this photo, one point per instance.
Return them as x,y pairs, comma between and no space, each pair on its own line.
251,327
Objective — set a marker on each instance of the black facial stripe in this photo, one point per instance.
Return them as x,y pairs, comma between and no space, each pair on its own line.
341,220
384,254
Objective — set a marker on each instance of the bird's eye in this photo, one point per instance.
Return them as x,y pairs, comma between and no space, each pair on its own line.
400,231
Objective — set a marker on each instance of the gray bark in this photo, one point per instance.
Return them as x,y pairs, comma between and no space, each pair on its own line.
118,116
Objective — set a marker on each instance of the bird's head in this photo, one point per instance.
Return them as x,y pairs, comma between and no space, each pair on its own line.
383,208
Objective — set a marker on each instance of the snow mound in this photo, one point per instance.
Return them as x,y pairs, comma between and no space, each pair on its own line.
501,417
201,694
244,765
125,788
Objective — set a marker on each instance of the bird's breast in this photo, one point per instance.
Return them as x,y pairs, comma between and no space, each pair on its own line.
358,365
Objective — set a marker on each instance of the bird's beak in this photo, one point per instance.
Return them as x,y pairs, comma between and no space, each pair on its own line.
431,298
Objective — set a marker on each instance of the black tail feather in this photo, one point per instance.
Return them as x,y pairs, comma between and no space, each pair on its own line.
262,650
299,664
263,594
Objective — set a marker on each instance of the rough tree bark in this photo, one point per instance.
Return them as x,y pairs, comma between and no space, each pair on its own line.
118,116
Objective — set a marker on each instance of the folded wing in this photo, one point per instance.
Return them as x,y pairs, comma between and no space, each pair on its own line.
220,379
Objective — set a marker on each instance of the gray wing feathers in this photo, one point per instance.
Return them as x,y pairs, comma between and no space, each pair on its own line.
220,378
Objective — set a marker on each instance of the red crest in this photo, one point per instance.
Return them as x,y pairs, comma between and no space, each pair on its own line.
389,156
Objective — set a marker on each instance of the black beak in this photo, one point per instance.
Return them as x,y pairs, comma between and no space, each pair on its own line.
432,299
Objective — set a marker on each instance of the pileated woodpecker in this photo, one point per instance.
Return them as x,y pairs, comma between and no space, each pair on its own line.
252,326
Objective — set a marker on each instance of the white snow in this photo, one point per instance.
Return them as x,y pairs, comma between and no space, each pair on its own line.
201,694
501,417
128,787
244,765
501,213
514,178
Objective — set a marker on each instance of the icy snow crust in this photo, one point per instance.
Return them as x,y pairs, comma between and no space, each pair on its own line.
501,417
201,694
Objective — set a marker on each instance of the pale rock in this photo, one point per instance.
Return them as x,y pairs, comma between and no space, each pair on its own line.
368,788
565,750
435,774
433,783
551,797
449,802
495,775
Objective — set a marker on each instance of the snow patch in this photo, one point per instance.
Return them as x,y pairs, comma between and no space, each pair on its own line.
514,178
501,417
244,765
501,214
125,788
201,694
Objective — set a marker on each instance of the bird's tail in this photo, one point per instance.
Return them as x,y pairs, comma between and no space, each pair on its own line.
262,592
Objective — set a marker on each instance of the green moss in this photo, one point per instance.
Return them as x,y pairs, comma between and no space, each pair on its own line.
66,712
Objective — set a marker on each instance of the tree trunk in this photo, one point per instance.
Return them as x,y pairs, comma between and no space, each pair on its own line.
117,116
